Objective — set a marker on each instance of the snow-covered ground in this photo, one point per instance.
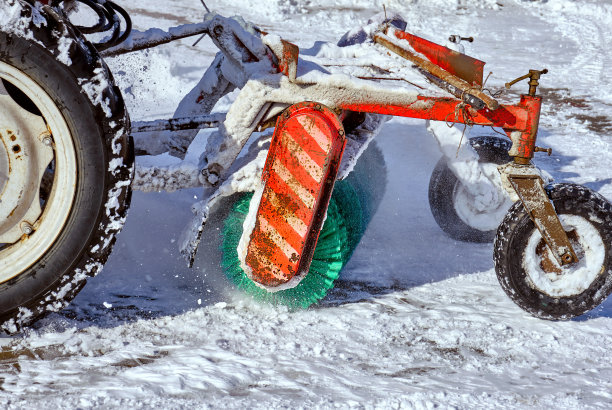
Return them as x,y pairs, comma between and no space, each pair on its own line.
417,320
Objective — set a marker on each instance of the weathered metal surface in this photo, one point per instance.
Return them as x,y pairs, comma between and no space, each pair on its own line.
523,117
177,124
455,38
534,77
289,60
510,117
526,143
299,176
142,41
24,157
463,66
475,102
463,86
530,190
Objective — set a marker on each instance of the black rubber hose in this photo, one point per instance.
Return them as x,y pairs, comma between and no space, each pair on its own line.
116,29
103,24
126,19
109,16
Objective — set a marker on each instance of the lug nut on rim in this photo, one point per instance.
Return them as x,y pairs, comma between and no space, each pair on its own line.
26,228
46,138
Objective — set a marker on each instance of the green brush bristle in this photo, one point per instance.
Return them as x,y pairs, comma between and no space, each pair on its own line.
351,210
353,203
340,235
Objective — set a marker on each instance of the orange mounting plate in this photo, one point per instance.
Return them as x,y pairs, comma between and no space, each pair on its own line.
298,177
463,66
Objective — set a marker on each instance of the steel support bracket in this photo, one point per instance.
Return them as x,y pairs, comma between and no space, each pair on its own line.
288,61
531,192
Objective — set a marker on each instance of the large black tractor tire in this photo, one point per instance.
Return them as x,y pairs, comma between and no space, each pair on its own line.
52,74
444,187
527,271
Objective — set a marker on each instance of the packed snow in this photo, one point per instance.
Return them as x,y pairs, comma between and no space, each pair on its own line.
417,320
590,248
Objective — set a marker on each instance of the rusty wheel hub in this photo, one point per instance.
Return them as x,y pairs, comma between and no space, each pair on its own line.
545,273
4,167
548,263
23,160
38,171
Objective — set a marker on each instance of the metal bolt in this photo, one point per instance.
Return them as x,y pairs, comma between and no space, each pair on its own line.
547,150
213,179
48,141
567,257
26,228
218,30
457,39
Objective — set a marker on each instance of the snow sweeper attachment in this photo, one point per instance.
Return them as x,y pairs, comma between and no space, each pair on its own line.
298,178
296,201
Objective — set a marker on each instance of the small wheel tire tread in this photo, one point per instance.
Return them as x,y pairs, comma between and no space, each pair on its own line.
442,185
511,239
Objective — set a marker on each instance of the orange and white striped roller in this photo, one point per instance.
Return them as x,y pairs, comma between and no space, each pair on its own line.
298,177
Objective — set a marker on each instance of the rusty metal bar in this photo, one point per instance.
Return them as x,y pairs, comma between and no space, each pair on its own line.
177,124
458,64
464,88
525,146
508,117
530,190
155,37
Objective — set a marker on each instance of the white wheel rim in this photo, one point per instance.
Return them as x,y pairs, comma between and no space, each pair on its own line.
569,280
483,218
39,227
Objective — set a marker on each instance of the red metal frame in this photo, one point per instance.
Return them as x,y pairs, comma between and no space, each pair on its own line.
461,65
279,252
523,117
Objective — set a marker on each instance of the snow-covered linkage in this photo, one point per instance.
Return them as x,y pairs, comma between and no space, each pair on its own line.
305,204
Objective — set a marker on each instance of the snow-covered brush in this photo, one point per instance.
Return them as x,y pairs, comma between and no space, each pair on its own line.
301,196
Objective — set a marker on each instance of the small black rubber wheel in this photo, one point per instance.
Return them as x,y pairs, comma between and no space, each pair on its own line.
64,132
446,192
527,270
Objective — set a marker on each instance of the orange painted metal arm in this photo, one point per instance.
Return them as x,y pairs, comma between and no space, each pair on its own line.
463,66
523,117
509,117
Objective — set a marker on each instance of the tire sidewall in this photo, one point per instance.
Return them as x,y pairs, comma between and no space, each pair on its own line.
102,194
443,184
511,240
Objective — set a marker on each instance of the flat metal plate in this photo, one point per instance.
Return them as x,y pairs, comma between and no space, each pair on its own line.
533,196
298,177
